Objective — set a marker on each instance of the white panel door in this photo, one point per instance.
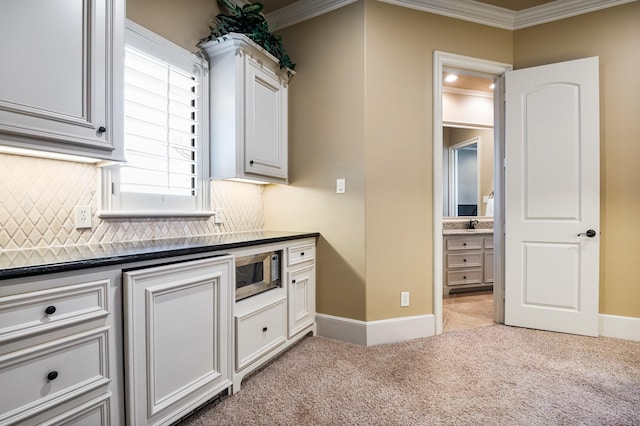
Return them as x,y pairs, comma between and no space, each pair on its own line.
178,337
266,123
302,299
552,197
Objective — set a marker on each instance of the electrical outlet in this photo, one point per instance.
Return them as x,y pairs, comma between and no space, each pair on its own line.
404,298
83,217
218,216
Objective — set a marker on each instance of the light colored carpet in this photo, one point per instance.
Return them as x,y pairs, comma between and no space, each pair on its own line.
494,375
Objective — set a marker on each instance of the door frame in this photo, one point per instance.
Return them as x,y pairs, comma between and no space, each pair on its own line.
442,60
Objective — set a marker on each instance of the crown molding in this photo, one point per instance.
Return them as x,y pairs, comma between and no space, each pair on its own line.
467,10
560,10
303,10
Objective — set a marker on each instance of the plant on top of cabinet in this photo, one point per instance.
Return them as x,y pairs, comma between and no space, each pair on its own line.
248,101
248,20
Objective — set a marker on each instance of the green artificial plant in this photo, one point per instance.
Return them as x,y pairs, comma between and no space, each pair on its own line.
248,20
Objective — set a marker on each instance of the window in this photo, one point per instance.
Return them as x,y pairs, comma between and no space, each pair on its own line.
165,131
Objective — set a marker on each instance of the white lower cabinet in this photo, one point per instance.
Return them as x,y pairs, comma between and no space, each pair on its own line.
178,338
60,350
270,322
468,262
302,299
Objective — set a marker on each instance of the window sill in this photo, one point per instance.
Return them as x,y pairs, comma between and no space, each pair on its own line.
151,214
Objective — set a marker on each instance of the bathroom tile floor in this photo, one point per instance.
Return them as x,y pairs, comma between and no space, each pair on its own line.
467,310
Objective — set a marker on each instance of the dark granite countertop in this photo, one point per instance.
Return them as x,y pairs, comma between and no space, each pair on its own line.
29,262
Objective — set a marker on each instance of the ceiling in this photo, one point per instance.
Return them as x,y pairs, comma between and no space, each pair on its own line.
469,82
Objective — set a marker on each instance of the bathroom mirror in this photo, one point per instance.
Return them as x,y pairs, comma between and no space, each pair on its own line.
467,171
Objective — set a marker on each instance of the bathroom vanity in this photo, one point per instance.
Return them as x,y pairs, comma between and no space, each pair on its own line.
468,260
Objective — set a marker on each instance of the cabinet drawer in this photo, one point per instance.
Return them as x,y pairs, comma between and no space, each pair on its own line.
53,373
301,253
473,276
469,243
259,332
464,260
25,314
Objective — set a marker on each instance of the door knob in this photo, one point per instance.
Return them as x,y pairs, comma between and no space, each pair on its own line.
590,233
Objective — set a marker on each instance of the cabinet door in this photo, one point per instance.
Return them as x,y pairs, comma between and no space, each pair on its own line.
56,90
302,298
265,115
488,266
177,338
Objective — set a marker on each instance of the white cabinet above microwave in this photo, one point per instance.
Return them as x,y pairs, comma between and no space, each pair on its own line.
248,111
60,76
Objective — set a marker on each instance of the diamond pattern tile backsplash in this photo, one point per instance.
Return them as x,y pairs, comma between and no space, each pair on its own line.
38,199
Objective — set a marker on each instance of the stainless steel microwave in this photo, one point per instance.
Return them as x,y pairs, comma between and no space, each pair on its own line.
257,273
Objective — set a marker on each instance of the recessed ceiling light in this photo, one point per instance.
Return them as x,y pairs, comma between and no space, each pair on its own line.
493,86
450,78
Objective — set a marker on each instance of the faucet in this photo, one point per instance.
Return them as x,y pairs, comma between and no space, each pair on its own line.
472,224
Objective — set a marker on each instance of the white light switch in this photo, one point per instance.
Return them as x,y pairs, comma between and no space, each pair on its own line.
340,186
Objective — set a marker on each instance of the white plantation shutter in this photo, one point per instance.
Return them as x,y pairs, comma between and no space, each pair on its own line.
161,128
164,128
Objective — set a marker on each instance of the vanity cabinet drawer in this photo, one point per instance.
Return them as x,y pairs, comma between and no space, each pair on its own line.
464,260
473,276
259,332
50,374
467,243
301,253
26,314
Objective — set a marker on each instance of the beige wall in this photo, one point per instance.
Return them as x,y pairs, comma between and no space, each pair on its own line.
361,108
183,22
399,61
326,142
614,35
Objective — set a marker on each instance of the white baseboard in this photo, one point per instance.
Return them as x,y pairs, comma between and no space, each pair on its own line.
620,327
369,333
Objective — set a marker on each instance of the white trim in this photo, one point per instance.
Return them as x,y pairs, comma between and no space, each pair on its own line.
302,10
442,60
115,214
620,327
467,10
369,333
556,11
340,328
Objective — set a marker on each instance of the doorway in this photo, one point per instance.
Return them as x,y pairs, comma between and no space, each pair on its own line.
442,62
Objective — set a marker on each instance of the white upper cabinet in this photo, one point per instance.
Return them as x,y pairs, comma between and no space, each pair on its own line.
248,111
61,76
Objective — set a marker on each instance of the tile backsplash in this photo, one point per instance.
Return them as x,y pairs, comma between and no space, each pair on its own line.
38,199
